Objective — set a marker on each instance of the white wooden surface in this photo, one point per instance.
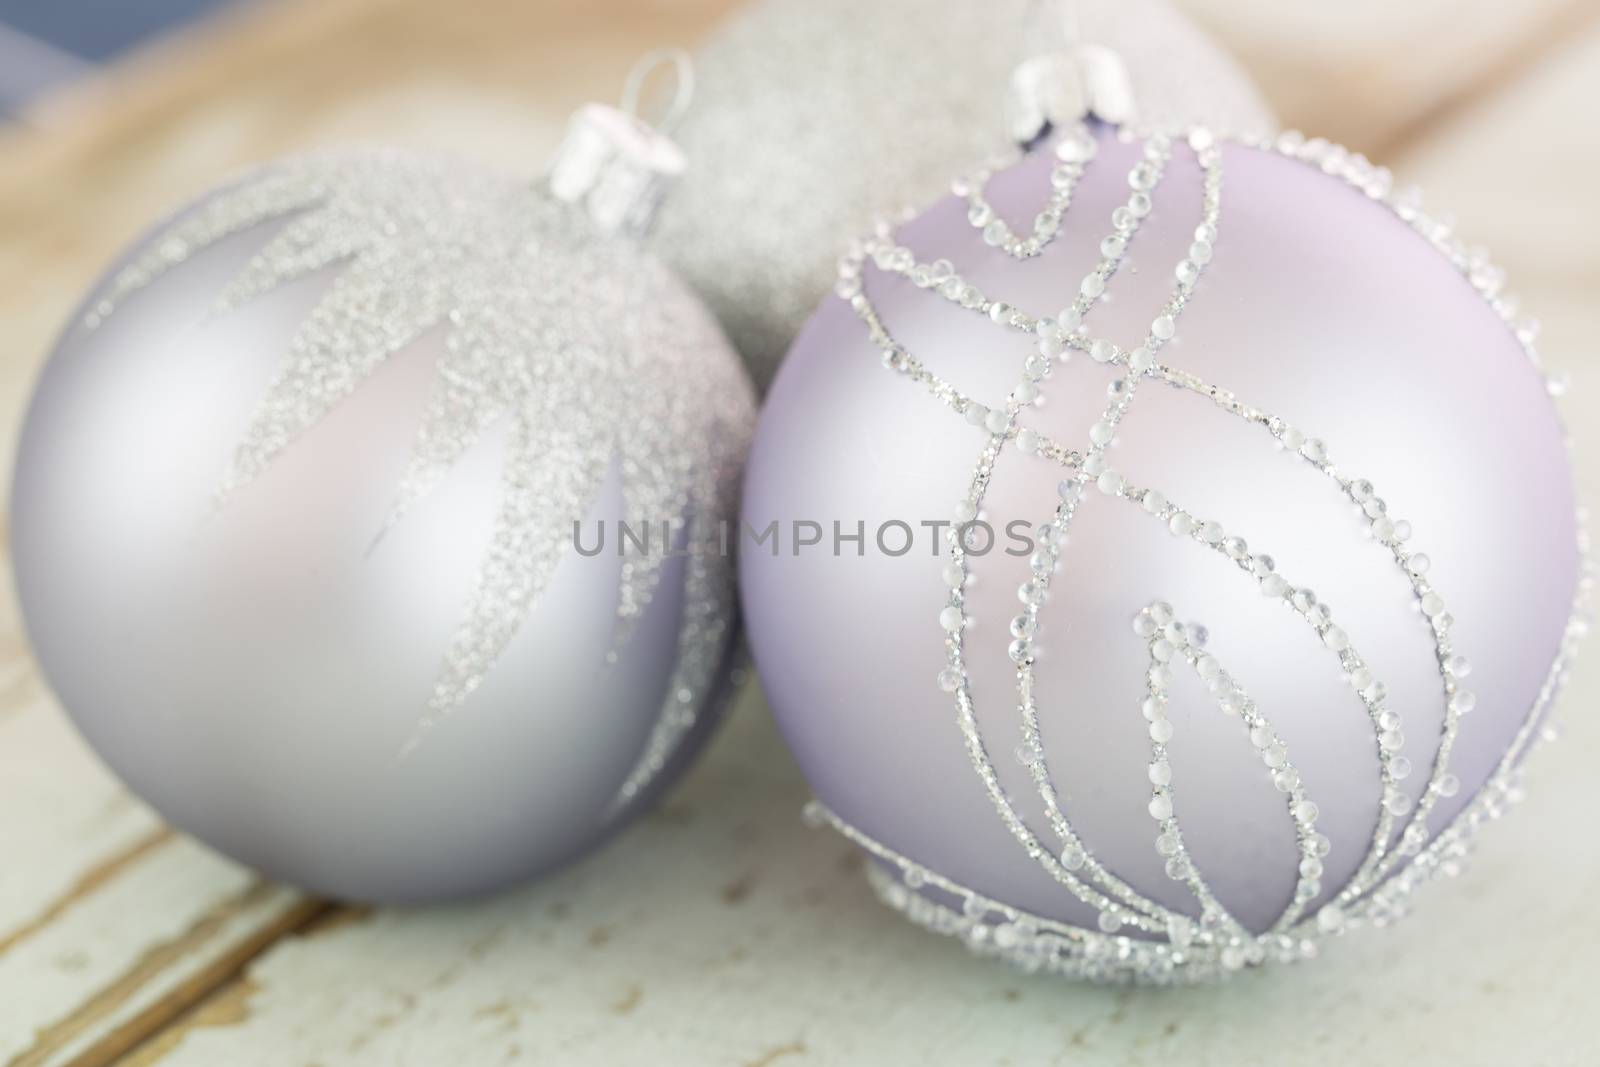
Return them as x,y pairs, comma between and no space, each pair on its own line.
719,930
722,932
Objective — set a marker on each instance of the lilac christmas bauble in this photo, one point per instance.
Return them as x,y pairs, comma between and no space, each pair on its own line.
1218,555
293,522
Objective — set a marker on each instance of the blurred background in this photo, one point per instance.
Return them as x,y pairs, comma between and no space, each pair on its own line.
122,942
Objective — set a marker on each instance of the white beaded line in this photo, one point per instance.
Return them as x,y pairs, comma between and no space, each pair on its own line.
1030,752
976,412
1386,531
1055,332
1031,941
1099,958
916,876
1452,842
891,257
1023,628
940,276
1179,866
1106,960
1102,959
1157,962
1035,953
1448,850
1387,725
1442,857
1146,914
1063,331
1578,626
1034,592
1074,151
1392,535
898,359
1018,935
1378,183
1355,170
1488,280
953,679
1168,639
1475,265
953,618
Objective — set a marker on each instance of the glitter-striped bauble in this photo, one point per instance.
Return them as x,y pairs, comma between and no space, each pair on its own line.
1219,556
293,524
865,107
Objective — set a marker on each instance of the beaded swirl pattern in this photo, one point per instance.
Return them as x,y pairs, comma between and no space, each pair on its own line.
586,349
1138,938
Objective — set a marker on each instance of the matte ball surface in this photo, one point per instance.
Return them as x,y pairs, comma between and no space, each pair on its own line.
293,512
1326,343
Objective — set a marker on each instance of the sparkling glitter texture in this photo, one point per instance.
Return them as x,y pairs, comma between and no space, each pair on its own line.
812,116
586,348
1139,937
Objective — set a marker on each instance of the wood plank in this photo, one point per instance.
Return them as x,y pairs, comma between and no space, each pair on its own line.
130,946
168,975
69,826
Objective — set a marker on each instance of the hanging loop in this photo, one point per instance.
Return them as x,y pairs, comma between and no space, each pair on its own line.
616,165
682,86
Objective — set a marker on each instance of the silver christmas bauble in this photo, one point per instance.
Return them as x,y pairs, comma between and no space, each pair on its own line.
813,116
293,524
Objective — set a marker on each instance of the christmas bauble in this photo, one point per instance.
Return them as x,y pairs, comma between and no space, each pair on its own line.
813,116
1218,557
294,517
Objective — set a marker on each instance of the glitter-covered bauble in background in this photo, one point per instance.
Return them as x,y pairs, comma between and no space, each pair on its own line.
814,116
293,517
1304,564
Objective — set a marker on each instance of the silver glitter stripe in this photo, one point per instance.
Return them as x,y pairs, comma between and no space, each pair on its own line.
588,351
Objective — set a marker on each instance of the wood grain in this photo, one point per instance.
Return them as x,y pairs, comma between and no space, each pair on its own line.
169,976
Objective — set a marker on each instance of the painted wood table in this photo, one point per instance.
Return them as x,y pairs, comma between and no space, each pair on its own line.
719,930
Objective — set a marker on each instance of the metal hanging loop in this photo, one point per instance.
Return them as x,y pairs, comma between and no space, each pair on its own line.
613,163
682,88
